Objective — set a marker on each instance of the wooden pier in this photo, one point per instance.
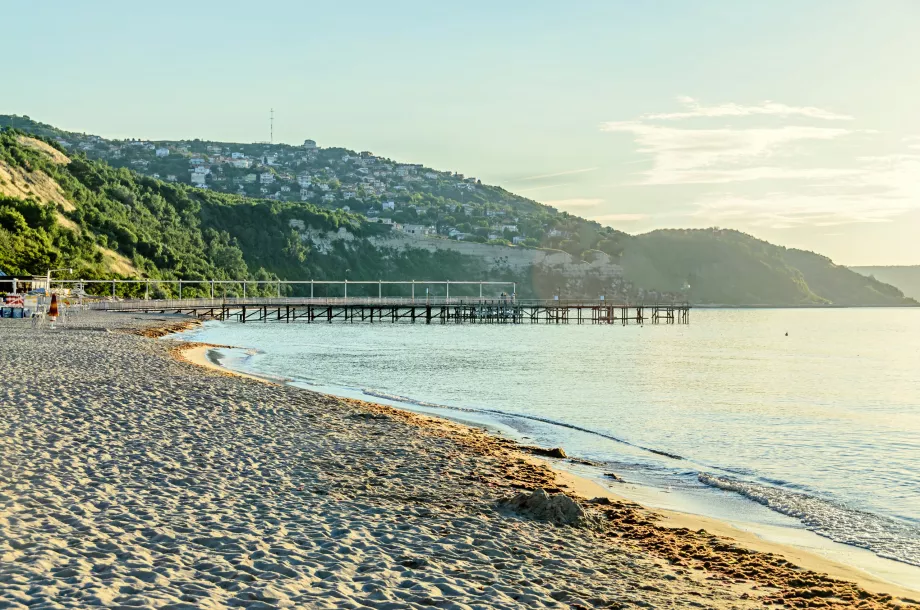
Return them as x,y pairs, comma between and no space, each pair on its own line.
399,310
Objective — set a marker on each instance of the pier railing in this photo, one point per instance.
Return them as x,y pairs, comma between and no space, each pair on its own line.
442,310
153,304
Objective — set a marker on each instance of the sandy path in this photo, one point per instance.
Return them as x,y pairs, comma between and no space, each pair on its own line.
131,479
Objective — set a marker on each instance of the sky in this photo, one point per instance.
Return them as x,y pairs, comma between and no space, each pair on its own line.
797,122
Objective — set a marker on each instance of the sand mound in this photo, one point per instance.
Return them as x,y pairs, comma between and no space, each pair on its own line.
56,155
16,182
556,508
118,263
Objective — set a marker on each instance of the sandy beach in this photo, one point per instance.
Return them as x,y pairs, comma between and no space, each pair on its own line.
132,477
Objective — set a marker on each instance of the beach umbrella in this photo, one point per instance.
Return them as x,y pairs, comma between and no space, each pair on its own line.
53,308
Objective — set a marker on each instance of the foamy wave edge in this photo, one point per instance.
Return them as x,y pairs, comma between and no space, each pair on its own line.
884,536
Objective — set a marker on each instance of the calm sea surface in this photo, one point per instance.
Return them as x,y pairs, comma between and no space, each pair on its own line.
821,426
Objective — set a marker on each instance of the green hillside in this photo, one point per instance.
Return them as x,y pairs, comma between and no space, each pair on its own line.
730,267
105,221
906,278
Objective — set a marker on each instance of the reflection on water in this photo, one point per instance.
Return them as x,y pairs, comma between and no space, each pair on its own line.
828,415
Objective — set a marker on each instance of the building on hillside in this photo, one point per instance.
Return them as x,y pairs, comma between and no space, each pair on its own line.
305,194
266,178
328,198
199,175
512,228
296,224
285,189
250,178
388,205
518,239
238,155
309,144
170,177
417,230
304,181
162,152
195,161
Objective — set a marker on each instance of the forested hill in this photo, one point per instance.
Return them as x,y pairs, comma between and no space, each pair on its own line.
906,278
61,208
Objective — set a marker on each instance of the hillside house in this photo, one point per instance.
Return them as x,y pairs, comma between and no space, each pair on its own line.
162,152
296,224
305,194
250,178
266,178
388,205
237,155
196,161
241,163
199,178
417,230
170,177
309,144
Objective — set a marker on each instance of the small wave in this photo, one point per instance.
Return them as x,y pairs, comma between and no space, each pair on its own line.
884,536
544,420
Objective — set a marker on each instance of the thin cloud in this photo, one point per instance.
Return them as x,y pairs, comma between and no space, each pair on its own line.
620,217
574,203
864,189
539,188
884,189
557,174
765,108
682,156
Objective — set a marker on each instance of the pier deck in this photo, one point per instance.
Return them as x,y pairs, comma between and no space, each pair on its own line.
396,310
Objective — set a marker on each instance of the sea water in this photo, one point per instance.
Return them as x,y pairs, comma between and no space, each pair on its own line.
807,417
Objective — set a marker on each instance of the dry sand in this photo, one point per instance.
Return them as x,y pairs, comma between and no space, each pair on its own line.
130,478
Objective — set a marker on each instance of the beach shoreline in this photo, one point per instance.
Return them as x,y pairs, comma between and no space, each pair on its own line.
130,476
585,488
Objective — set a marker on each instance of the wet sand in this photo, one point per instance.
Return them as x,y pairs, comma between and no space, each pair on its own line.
132,478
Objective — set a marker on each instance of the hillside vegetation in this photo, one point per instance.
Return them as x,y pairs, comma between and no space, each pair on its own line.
906,278
59,208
